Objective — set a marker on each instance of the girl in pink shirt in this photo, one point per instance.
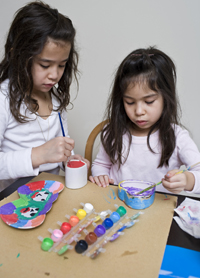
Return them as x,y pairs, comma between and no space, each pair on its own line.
144,139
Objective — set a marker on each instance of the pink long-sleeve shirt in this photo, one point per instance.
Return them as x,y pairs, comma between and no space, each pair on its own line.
142,164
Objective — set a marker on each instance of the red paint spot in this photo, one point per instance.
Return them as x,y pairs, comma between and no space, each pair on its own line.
24,210
37,185
9,219
34,195
75,164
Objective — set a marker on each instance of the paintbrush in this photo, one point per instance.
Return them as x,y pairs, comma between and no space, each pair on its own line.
154,185
63,132
61,124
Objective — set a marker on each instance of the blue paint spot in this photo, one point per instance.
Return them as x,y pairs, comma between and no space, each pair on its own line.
18,255
114,196
106,200
109,195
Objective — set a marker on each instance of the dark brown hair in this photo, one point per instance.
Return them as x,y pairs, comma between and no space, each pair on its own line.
32,26
158,71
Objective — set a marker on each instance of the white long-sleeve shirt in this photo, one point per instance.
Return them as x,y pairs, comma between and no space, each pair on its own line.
142,164
17,140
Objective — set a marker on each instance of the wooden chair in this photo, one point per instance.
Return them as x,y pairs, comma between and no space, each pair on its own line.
90,143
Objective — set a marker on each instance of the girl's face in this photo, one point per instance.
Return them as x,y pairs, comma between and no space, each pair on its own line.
143,107
49,65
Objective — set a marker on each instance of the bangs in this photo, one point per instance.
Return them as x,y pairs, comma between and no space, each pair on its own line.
148,78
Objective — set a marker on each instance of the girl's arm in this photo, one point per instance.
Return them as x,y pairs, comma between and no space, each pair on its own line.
13,163
188,154
20,157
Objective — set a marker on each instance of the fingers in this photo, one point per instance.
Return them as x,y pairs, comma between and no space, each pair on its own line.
64,147
174,187
102,181
111,181
69,141
171,173
91,179
175,181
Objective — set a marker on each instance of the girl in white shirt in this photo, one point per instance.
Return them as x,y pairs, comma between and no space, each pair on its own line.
143,139
35,76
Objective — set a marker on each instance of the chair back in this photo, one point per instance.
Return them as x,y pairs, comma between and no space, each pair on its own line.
90,143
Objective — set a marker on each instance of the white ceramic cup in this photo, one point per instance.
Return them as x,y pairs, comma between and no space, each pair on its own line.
75,177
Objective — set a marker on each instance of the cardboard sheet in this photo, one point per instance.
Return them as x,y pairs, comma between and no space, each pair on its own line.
137,253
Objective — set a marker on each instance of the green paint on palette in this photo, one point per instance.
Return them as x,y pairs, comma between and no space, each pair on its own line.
23,201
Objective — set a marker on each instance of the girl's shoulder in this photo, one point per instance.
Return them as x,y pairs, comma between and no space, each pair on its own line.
4,86
182,135
179,130
4,90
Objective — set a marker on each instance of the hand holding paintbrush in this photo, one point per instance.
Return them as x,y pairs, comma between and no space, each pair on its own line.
182,171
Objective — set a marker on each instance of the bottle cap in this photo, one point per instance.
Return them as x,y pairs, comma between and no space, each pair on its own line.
81,246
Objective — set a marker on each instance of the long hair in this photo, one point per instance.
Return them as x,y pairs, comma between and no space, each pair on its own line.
158,72
32,26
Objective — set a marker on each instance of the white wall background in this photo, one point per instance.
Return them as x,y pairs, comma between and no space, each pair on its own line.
107,31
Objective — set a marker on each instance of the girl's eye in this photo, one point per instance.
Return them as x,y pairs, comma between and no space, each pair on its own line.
130,103
149,102
62,66
43,66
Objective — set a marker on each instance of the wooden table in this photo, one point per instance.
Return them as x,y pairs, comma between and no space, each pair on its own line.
137,253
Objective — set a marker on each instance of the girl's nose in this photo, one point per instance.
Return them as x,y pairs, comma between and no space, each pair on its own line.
53,74
139,110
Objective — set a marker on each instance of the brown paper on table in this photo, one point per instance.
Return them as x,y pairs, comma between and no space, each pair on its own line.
138,253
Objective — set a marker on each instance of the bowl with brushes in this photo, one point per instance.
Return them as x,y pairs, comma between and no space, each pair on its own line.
129,193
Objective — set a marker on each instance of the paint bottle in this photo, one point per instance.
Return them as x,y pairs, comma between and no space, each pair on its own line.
121,210
99,230
64,249
90,238
65,227
87,207
115,216
56,234
81,213
107,223
47,243
73,220
81,246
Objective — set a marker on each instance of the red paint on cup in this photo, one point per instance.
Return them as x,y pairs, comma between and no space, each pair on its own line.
75,164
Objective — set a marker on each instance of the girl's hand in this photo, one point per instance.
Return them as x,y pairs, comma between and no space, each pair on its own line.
102,181
79,157
53,151
177,182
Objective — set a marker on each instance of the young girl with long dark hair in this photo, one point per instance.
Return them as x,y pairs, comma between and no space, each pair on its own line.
143,139
35,76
